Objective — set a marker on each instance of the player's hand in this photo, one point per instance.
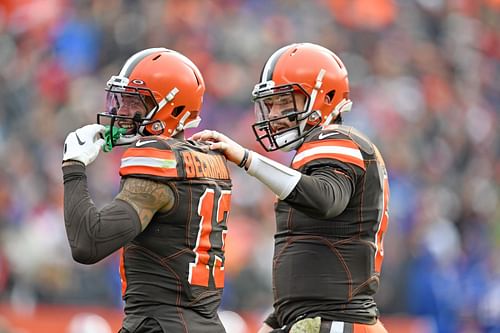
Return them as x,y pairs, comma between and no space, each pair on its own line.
233,151
84,144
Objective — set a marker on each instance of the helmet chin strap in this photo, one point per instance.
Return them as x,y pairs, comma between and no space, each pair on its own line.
190,124
180,126
193,123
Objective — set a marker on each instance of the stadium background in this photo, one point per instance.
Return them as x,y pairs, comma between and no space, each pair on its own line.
425,81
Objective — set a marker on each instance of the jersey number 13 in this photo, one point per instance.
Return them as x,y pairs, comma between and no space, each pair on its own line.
199,270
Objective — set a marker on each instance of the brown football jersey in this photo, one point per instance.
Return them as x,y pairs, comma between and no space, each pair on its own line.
331,266
174,270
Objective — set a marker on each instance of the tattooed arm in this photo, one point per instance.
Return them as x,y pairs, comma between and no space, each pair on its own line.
147,197
94,234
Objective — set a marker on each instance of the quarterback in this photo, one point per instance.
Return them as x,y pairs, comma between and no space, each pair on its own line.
332,201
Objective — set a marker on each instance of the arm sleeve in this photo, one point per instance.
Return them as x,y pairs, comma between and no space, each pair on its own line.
324,193
94,234
279,178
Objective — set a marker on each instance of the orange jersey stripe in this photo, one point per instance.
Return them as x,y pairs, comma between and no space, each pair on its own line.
342,150
331,142
379,255
123,277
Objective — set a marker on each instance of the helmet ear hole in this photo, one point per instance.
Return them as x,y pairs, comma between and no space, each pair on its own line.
177,110
329,96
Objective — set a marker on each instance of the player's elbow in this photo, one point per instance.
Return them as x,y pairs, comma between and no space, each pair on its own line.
330,208
83,256
326,209
331,213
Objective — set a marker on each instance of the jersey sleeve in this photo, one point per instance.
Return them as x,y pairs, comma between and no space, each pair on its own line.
94,234
149,159
331,164
327,151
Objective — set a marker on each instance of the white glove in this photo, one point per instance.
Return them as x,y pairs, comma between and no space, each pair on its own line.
84,144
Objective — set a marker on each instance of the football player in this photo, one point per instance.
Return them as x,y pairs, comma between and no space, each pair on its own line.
332,201
169,217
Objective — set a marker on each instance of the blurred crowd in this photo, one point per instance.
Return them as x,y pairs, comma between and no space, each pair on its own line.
425,82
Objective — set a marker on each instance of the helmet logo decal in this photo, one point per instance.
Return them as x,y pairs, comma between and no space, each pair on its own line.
138,82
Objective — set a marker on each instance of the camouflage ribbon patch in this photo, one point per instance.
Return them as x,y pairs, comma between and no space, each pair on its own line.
307,325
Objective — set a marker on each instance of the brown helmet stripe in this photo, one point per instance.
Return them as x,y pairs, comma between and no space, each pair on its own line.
268,70
136,58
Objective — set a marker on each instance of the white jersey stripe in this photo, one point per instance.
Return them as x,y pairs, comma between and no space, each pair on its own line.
337,327
148,162
352,152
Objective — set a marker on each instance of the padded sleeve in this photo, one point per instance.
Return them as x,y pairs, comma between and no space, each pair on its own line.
94,234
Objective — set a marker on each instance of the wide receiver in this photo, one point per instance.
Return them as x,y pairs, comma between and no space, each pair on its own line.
332,202
169,218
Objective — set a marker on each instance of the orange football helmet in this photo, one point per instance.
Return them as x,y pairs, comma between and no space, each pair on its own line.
162,86
305,68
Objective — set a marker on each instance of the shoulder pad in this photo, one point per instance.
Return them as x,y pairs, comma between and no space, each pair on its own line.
171,158
353,134
150,156
151,142
326,133
198,161
331,143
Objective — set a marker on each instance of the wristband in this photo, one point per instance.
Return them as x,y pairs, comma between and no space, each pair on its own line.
244,159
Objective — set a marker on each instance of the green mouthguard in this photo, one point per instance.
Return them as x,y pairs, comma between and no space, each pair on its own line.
111,135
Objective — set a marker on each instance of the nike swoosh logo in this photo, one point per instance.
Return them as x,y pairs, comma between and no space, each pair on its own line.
325,135
80,142
142,143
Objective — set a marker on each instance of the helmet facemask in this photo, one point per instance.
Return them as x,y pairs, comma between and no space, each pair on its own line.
141,107
287,131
